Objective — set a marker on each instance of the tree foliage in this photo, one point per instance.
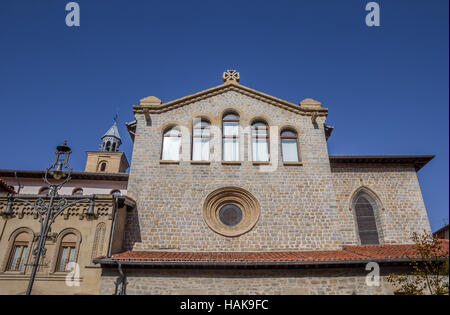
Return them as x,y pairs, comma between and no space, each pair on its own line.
430,268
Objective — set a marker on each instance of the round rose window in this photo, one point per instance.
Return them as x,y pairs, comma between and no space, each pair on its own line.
231,211
230,214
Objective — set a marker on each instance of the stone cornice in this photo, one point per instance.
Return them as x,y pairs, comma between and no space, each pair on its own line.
104,205
226,87
74,175
418,161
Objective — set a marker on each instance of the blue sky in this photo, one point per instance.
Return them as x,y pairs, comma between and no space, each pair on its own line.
386,88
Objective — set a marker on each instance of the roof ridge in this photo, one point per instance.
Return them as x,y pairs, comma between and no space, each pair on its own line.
225,87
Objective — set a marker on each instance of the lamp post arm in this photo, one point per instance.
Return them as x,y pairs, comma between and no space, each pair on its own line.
68,206
39,212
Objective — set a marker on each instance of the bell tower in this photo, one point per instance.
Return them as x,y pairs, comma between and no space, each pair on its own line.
108,159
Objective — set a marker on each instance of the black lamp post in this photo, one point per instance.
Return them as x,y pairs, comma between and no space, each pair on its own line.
48,212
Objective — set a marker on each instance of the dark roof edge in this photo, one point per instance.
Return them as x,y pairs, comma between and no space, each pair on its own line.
441,229
74,175
143,263
418,161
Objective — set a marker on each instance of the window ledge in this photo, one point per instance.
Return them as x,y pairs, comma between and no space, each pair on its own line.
261,162
292,163
201,162
13,272
231,162
168,162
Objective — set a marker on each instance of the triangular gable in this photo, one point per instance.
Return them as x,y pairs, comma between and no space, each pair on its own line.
153,105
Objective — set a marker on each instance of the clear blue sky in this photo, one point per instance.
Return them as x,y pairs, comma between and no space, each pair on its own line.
386,88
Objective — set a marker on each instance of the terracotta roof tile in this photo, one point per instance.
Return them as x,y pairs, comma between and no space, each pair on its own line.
6,187
348,253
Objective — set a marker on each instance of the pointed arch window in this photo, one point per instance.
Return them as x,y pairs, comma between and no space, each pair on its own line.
66,252
171,145
200,141
230,130
289,146
19,252
260,142
366,221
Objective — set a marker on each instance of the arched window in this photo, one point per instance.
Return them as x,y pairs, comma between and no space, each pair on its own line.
19,252
230,130
260,141
66,251
289,146
171,145
77,191
115,192
102,167
365,218
108,146
200,141
44,191
113,147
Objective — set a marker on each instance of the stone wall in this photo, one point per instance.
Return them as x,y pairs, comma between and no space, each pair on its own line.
402,210
303,207
234,281
298,208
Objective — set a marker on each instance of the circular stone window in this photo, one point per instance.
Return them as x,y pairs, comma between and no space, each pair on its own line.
231,211
230,214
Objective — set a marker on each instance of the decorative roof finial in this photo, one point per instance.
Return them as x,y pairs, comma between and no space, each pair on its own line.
231,75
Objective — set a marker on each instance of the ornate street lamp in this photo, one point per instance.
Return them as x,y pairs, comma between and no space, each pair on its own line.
48,212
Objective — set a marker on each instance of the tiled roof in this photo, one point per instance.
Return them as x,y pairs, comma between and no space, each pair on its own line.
347,254
6,187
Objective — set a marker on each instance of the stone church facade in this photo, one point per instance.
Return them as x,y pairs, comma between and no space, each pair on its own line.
229,191
236,194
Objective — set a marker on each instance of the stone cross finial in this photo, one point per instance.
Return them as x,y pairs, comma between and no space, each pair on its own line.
231,75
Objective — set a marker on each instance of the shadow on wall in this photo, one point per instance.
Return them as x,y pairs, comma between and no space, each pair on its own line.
132,233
